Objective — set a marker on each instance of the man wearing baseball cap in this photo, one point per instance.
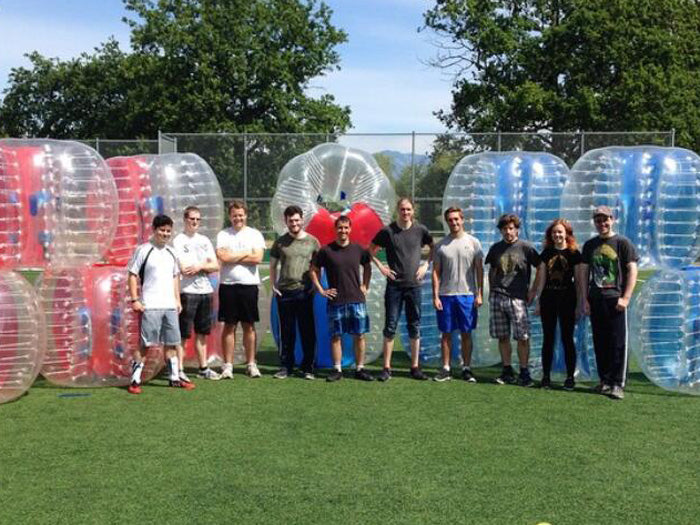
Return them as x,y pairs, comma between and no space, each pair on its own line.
610,270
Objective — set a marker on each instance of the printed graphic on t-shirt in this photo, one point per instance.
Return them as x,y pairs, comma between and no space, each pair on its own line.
605,270
508,265
557,268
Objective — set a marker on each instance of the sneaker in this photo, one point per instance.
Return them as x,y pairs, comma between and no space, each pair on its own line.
309,376
335,375
602,388
443,375
524,379
183,377
507,377
616,392
417,374
252,371
384,375
569,384
363,375
181,384
546,383
282,373
468,376
226,372
208,373
134,388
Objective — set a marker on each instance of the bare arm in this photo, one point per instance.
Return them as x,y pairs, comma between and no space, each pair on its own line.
537,285
133,282
273,276
423,267
252,256
631,282
384,270
479,296
176,289
437,303
584,308
366,276
315,274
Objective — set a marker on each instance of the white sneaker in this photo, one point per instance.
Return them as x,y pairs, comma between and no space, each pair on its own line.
309,376
183,377
208,373
226,372
252,371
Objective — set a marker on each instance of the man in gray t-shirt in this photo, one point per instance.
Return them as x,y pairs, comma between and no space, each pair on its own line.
458,276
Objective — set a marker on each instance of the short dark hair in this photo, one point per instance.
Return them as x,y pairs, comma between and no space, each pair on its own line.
187,211
162,220
507,218
292,210
342,218
453,209
237,204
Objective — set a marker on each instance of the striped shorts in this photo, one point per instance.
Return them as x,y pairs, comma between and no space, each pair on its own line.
506,312
349,318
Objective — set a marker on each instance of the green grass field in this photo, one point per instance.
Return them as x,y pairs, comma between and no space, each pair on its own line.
293,451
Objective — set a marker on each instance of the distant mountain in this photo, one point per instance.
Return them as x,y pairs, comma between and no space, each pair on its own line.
399,161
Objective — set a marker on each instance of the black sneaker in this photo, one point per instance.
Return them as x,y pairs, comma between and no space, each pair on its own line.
417,373
507,376
384,375
569,384
363,375
443,375
524,378
546,383
468,376
335,375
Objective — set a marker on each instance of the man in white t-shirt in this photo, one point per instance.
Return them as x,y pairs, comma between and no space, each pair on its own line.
240,250
155,266
197,259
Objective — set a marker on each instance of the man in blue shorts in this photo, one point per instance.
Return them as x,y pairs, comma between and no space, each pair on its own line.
347,311
458,277
155,265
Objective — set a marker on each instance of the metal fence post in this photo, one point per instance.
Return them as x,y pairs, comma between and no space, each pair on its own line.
413,166
673,137
245,166
583,142
97,145
499,140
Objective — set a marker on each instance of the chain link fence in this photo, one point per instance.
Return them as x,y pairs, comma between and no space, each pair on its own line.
418,164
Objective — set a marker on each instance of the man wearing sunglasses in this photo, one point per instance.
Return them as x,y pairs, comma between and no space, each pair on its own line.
197,260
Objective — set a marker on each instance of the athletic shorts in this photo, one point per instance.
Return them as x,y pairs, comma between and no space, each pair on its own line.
159,327
238,303
507,312
349,318
196,309
458,313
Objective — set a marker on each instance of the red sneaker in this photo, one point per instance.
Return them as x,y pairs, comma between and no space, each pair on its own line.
134,388
182,384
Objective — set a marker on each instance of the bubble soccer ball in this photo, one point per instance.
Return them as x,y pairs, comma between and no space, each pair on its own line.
331,179
91,328
665,329
487,185
58,203
150,185
653,192
23,333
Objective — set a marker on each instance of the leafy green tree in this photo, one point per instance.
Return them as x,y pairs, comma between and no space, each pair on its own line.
564,65
195,66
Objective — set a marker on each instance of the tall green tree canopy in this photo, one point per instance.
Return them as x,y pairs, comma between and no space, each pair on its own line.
195,65
564,65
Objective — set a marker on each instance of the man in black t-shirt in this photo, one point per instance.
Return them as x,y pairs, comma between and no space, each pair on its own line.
347,311
510,261
403,241
610,264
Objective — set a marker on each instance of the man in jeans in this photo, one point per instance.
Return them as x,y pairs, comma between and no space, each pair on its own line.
609,270
346,294
293,290
403,241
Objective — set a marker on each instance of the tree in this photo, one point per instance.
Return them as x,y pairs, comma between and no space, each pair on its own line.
195,65
566,65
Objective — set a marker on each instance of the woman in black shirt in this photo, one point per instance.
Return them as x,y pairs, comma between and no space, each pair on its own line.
558,299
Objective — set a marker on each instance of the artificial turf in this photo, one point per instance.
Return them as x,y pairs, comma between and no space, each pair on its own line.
295,451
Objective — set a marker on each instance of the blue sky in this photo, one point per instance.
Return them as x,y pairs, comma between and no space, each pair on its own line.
383,78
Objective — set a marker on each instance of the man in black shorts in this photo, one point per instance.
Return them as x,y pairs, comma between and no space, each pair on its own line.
240,250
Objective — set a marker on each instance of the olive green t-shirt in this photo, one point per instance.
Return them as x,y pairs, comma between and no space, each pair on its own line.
295,257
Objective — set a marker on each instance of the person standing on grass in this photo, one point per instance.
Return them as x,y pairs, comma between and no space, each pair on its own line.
197,260
294,292
155,266
610,270
458,280
560,259
403,241
510,261
346,294
240,250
